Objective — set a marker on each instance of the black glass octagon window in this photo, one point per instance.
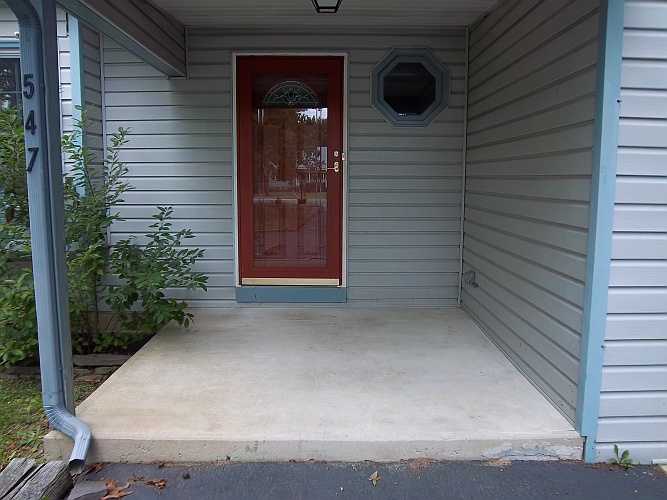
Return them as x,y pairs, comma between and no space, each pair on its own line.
410,87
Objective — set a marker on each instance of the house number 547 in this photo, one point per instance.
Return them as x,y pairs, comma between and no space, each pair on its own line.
30,122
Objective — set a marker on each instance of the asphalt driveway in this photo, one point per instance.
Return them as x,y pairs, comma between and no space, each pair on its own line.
411,479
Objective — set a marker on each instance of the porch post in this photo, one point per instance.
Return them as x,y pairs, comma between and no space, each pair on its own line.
603,184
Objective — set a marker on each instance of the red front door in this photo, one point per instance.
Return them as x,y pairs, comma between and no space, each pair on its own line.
290,169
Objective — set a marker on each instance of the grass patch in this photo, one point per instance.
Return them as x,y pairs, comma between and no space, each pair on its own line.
22,420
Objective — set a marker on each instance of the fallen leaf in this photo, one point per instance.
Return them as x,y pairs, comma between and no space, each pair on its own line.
158,483
115,491
136,478
374,478
160,464
96,467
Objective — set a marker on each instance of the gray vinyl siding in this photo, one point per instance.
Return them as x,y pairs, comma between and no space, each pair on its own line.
404,184
633,404
530,134
91,87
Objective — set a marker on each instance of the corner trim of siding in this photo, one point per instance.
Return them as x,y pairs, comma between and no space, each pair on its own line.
463,171
76,67
610,41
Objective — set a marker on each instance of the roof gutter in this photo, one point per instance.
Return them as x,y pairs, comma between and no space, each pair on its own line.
41,111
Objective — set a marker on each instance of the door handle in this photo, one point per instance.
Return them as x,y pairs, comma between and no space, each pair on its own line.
335,168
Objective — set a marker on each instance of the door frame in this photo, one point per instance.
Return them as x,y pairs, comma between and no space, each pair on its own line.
235,156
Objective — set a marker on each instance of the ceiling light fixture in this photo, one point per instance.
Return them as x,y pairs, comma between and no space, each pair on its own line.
327,6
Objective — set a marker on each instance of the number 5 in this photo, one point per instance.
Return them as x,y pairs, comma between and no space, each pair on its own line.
28,86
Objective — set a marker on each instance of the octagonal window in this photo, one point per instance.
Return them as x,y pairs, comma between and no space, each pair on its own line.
410,87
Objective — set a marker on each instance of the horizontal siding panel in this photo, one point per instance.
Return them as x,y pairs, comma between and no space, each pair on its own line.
562,139
635,353
437,266
175,198
555,188
643,104
645,15
567,238
577,111
521,101
181,211
646,190
634,429
642,452
639,273
404,239
566,163
201,239
642,161
557,270
377,171
545,22
642,75
643,133
399,253
401,224
179,170
397,199
417,185
535,324
124,115
549,64
633,404
636,327
547,302
167,155
403,157
572,214
637,300
400,294
181,141
368,212
634,378
644,44
639,218
402,279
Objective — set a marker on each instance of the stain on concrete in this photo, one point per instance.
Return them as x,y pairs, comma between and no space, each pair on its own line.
534,451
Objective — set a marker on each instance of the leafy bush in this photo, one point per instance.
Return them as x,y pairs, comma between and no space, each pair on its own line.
18,319
91,188
148,271
13,183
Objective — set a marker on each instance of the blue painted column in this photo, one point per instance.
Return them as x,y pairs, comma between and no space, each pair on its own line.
603,184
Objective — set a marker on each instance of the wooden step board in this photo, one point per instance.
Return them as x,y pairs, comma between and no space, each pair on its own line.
25,479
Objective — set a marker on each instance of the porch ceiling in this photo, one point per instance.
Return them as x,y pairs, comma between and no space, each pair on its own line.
366,14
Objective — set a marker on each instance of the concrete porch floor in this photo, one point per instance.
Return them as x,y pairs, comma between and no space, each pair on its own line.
325,383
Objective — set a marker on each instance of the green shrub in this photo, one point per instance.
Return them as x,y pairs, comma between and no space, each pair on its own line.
13,183
146,272
18,319
91,188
